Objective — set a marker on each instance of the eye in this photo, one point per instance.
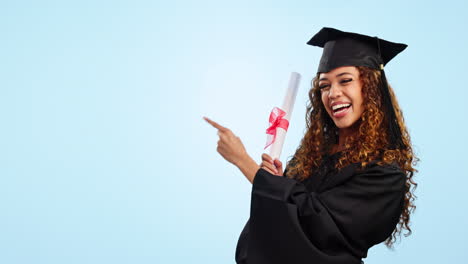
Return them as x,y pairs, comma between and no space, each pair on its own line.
323,86
345,81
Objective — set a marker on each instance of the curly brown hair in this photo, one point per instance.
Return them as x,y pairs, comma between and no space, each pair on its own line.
368,144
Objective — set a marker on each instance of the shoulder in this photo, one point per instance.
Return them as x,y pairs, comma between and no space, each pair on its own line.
373,173
377,168
376,173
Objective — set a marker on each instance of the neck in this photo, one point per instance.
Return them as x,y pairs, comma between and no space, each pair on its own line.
344,134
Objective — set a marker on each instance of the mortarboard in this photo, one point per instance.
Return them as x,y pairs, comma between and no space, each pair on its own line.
352,49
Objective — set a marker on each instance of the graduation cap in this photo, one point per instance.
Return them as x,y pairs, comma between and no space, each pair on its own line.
352,49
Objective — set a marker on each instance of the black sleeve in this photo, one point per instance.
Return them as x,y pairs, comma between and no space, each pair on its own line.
288,224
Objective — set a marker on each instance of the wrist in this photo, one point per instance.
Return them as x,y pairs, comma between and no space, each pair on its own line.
242,160
248,166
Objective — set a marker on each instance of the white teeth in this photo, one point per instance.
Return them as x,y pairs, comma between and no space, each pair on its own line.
340,105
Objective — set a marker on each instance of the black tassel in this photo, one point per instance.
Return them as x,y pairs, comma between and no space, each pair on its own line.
394,131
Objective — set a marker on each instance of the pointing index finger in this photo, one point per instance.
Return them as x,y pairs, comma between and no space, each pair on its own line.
214,124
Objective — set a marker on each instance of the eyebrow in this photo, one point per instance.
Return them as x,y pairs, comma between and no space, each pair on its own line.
338,75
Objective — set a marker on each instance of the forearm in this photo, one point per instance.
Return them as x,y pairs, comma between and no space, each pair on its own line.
248,166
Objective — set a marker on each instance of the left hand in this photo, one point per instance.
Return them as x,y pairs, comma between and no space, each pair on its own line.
229,145
274,167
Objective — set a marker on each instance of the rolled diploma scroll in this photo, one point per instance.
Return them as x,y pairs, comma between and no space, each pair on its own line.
288,105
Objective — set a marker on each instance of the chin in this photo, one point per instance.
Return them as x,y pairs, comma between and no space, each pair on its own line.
342,124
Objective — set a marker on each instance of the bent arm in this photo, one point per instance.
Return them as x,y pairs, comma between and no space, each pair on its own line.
248,166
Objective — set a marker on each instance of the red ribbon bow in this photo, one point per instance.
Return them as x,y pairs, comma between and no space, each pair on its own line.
276,120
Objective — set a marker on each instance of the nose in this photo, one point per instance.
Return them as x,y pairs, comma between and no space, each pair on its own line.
335,92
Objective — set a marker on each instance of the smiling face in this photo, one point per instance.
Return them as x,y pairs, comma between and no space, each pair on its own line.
341,93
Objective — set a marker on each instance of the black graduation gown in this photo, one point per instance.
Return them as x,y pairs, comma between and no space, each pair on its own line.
333,217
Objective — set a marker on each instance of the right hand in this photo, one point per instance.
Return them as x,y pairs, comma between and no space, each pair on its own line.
272,166
229,145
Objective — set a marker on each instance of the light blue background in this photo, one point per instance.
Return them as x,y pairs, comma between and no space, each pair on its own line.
105,158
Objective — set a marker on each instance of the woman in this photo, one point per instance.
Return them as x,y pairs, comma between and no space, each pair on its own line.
348,186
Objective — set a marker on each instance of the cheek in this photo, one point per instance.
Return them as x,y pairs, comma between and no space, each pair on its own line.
324,99
360,104
360,109
358,97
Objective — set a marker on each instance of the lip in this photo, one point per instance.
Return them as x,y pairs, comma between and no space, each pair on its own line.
340,102
341,114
